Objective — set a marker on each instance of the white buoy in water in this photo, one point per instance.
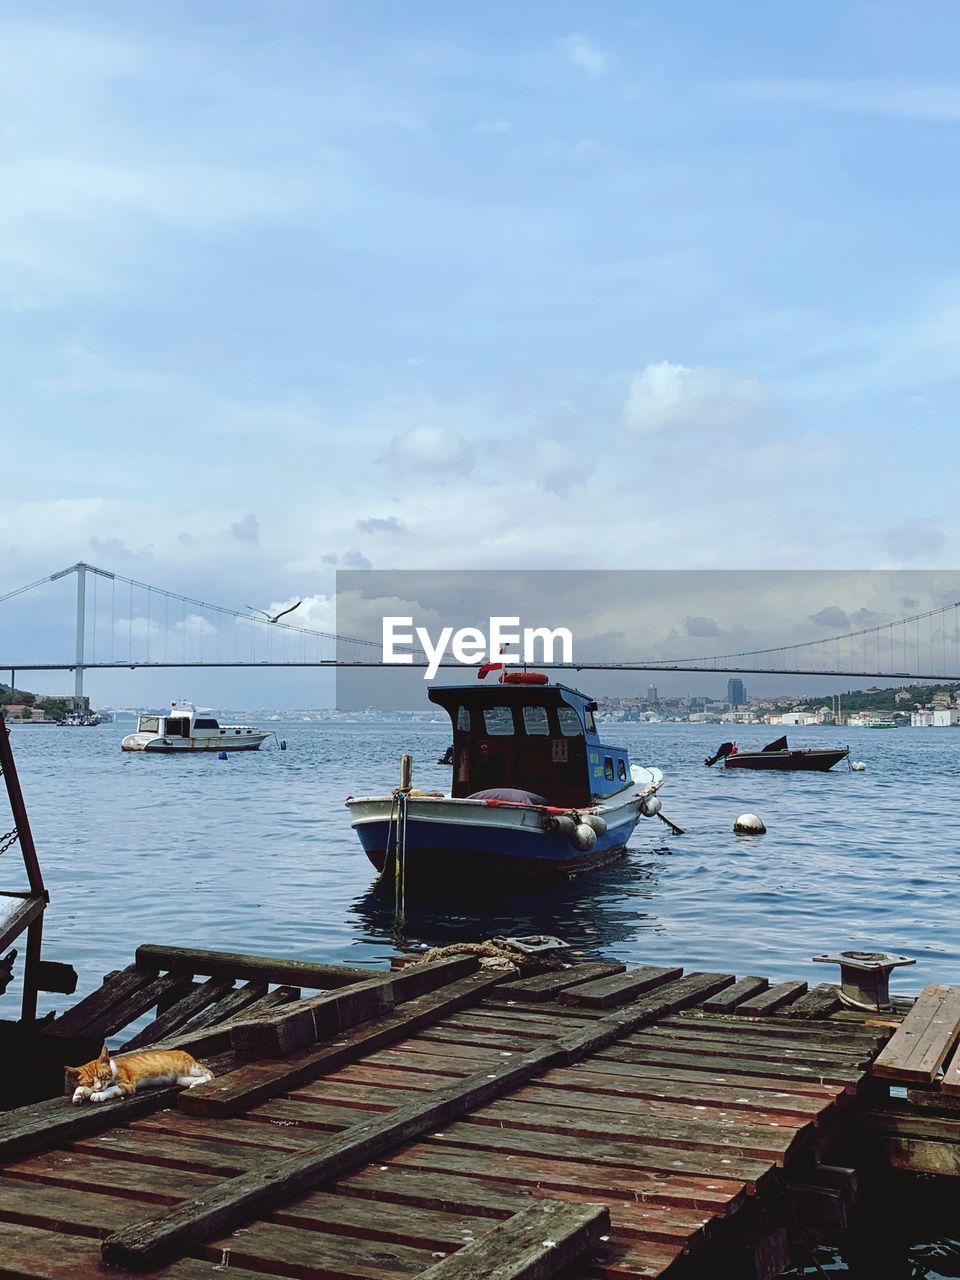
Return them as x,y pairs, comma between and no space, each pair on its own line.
748,824
858,766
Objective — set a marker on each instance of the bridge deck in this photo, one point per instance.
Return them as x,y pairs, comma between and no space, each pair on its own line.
452,1114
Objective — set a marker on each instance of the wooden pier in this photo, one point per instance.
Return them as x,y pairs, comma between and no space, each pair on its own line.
446,1119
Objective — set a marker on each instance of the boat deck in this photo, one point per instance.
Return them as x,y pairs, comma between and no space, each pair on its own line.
433,1114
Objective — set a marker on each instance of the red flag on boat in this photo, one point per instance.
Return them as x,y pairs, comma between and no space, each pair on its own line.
490,666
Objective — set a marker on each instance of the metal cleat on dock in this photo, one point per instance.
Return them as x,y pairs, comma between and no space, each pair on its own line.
865,976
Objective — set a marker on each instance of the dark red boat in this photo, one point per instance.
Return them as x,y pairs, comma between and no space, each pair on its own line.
778,755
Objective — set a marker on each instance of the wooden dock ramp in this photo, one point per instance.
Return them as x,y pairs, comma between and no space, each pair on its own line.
438,1119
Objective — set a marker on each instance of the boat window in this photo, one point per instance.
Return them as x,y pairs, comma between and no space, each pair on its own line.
535,721
149,724
589,720
498,721
463,719
178,727
570,725
205,724
622,770
608,768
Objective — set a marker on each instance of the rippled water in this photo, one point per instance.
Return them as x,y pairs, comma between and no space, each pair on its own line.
257,853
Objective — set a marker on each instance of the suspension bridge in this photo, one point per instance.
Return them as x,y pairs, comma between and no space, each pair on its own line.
119,623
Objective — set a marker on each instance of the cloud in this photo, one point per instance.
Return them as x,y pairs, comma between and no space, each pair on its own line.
432,449
247,529
585,54
914,539
833,617
381,524
667,396
354,559
700,627
492,128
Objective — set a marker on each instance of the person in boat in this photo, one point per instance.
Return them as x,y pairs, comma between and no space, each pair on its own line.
725,749
447,757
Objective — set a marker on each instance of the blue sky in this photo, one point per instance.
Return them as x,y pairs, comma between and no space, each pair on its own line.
295,286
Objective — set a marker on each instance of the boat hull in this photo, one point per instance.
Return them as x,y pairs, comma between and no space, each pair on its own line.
189,746
469,839
812,760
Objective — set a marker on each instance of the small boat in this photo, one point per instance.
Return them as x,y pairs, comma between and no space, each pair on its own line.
184,728
778,755
880,722
535,792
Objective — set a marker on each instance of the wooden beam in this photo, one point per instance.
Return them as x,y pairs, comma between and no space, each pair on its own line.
619,988
116,987
275,1034
819,1002
726,1000
774,998
228,964
225,1206
258,1082
950,1084
546,986
532,1245
923,1040
31,909
176,1015
669,999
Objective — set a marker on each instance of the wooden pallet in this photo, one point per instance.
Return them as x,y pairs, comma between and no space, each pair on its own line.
430,1123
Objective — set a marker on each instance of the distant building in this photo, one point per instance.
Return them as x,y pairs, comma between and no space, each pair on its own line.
945,716
736,692
921,719
902,695
652,695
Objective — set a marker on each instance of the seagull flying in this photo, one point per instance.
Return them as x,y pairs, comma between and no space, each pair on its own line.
276,616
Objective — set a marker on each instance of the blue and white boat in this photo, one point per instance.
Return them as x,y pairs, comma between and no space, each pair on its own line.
535,791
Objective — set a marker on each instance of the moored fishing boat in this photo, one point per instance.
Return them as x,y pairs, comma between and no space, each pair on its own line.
535,791
777,755
185,728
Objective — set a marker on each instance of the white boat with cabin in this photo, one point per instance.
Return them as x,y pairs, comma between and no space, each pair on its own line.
187,728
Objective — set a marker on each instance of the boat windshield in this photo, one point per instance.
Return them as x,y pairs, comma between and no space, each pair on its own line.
148,724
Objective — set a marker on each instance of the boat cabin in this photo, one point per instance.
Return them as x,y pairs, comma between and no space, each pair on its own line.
530,735
179,724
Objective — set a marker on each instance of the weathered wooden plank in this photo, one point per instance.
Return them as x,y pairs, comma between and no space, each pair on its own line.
826,1033
772,999
178,1014
415,980
597,1182
546,986
28,1253
675,995
235,1001
258,1082
604,993
924,1039
817,1003
532,1245
156,1185
230,1203
278,1033
741,990
292,1251
226,964
670,1057
120,1015
950,1084
45,1124
116,987
602,1150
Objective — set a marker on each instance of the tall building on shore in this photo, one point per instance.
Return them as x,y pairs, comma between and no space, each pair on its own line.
736,692
652,695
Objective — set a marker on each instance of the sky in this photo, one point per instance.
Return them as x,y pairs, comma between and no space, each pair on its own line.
303,286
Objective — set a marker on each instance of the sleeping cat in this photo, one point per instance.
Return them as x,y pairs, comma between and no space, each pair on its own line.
107,1077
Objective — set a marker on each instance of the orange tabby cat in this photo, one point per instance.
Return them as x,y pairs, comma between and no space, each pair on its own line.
107,1077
